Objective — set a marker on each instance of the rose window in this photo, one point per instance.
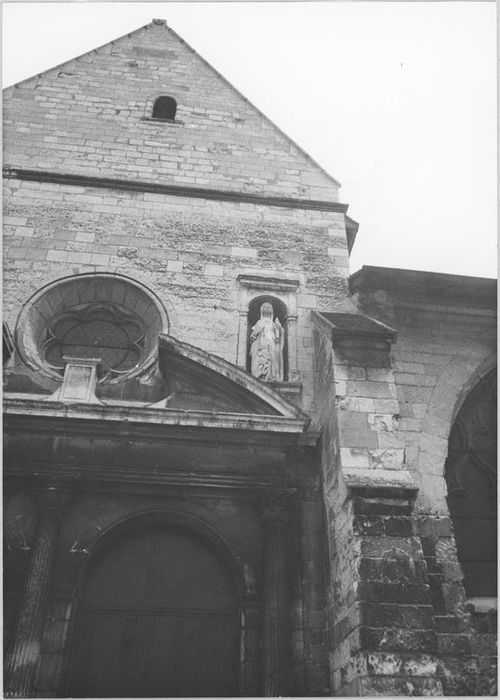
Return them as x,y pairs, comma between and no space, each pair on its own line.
95,316
106,333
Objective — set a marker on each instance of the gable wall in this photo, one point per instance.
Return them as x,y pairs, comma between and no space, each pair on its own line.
88,117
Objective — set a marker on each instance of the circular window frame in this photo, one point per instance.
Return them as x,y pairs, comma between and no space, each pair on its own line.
62,296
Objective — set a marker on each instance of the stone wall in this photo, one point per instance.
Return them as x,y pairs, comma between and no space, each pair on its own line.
92,115
188,251
400,621
342,558
382,632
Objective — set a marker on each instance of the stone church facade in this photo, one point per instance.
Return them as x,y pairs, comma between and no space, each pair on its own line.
176,521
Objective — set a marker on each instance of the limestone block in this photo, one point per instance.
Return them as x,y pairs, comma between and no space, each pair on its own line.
354,458
369,389
386,458
386,406
383,422
345,372
380,374
351,403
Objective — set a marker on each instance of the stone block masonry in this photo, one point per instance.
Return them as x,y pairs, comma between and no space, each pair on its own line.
211,210
446,342
466,636
392,645
189,251
92,116
382,636
402,622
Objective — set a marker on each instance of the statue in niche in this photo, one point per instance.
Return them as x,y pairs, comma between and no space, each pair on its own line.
266,346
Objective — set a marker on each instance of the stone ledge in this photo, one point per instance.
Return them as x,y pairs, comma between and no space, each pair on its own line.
172,122
482,604
392,479
269,283
390,493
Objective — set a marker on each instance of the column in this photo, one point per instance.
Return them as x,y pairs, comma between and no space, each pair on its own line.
276,640
291,330
250,619
22,660
314,621
241,359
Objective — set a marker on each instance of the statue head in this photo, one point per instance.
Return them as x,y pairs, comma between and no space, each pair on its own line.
266,311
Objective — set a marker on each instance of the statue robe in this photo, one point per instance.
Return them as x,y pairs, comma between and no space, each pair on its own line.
266,350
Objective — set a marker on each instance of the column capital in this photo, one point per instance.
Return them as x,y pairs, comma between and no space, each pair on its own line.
53,500
273,507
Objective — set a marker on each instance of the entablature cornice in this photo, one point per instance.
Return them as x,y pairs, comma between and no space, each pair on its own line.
162,423
269,283
158,478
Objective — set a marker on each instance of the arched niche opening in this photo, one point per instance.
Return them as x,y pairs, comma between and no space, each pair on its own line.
158,616
471,477
280,313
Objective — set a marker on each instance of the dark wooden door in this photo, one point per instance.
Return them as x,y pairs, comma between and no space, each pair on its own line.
158,617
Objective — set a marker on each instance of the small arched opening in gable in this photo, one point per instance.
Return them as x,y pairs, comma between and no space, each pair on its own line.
165,107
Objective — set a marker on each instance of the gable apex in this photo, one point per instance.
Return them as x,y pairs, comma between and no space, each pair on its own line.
242,96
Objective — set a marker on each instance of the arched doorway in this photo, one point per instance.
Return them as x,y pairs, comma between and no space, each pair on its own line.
471,477
158,616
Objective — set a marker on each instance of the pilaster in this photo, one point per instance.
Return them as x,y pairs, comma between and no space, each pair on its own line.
250,618
385,641
22,659
275,623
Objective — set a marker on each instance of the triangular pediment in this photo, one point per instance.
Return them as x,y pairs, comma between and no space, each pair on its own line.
200,381
105,99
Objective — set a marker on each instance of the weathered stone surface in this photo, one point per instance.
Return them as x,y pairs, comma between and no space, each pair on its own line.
400,592
386,686
397,617
398,639
394,615
393,569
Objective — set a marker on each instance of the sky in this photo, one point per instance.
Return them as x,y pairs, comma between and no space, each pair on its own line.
396,100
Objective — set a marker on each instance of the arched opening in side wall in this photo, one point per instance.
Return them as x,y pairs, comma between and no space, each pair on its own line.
471,477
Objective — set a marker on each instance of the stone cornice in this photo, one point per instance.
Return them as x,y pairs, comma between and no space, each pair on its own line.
422,289
352,334
236,376
270,284
158,476
172,190
144,420
347,326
